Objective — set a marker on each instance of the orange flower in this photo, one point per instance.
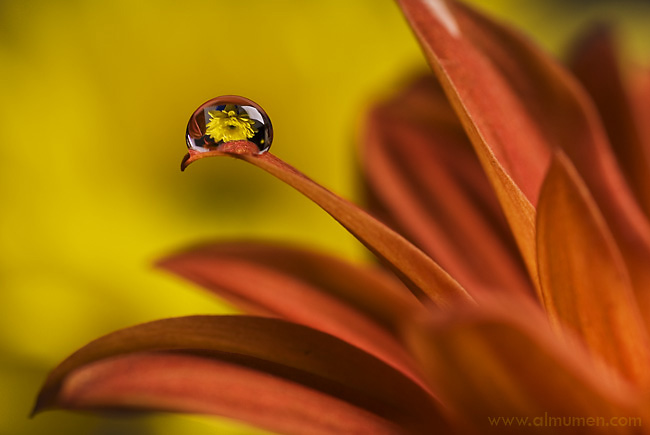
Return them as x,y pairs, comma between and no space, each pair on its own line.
519,221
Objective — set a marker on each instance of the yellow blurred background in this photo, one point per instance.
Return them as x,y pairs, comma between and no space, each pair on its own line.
95,96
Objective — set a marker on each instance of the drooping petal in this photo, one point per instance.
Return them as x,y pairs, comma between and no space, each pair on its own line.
584,280
517,104
595,63
362,306
294,353
426,181
418,271
184,383
500,369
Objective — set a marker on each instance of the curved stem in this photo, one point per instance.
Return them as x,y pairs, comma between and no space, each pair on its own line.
424,277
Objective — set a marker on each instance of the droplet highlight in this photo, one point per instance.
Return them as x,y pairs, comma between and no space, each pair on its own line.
228,119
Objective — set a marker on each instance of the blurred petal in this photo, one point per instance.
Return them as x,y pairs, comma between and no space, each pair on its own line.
370,290
595,62
359,305
517,104
625,109
292,352
503,361
640,98
584,280
183,383
421,274
427,182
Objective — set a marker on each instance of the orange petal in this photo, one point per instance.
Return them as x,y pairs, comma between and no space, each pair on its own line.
585,283
595,62
191,384
487,98
275,348
421,274
426,181
625,109
359,305
517,104
502,363
640,98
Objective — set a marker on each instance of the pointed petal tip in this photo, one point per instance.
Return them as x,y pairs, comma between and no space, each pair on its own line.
96,377
185,162
42,404
35,410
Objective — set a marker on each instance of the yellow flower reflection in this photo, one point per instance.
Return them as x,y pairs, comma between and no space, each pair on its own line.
231,123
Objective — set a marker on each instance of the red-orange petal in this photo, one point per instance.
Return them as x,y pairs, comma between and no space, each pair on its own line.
425,180
499,362
640,99
418,271
585,284
517,105
360,305
489,105
596,64
295,353
625,110
178,382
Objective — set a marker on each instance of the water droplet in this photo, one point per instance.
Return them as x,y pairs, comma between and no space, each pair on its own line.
228,119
